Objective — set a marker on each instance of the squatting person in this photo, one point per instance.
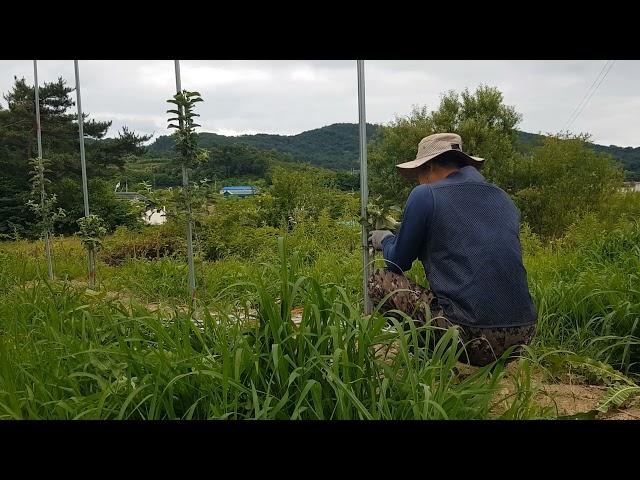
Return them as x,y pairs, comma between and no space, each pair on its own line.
465,231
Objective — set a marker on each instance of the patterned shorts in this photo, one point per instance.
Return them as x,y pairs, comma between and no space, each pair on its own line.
482,345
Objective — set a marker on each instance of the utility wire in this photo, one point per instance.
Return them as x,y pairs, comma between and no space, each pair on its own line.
590,93
594,90
575,110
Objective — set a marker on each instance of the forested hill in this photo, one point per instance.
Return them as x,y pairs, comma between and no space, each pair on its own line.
336,146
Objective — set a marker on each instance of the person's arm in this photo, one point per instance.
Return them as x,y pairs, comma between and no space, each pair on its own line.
401,250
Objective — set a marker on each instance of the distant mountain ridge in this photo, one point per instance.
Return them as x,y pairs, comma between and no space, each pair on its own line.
336,146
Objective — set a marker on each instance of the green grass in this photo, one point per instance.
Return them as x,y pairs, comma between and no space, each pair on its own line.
588,296
69,355
66,352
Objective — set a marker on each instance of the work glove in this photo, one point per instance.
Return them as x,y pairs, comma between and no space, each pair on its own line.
376,237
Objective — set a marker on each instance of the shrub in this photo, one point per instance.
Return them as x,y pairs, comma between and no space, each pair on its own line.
562,181
152,242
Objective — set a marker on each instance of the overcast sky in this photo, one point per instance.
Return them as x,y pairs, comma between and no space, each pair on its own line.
289,97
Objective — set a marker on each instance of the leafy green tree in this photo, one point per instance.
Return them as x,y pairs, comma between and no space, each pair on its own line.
91,231
18,145
114,152
59,128
561,181
396,143
236,161
486,125
347,181
60,144
186,138
103,201
303,193
42,203
189,155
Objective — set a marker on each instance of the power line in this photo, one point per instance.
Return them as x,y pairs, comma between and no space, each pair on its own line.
590,92
575,110
593,92
585,95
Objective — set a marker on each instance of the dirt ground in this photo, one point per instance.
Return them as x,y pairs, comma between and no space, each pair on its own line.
566,396
573,399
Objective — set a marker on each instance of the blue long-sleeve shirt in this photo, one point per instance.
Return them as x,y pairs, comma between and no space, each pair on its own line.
402,249
466,233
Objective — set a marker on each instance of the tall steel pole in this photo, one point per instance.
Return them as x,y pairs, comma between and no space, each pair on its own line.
364,187
185,185
83,163
47,245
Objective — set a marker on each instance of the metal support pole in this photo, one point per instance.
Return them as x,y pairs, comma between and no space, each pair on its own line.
185,184
47,245
364,187
83,163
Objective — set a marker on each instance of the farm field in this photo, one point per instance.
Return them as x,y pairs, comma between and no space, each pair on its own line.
276,327
287,338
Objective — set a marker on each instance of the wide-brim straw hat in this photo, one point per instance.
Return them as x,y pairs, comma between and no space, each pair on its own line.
433,146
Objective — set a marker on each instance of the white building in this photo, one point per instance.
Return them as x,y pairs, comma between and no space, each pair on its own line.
152,215
155,216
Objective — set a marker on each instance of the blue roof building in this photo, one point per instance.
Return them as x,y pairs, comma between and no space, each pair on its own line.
238,191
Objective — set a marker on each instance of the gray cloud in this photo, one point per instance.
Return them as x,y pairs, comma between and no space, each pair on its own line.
289,97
